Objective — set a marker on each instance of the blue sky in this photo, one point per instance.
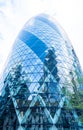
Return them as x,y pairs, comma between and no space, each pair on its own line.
15,13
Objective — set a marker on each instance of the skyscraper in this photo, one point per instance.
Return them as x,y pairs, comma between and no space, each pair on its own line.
40,76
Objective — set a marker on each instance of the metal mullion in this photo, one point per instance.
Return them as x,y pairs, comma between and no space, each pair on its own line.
57,114
33,103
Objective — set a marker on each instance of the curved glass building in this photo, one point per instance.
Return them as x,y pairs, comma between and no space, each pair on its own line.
39,80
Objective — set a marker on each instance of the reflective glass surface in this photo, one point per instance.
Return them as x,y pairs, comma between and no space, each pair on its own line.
40,75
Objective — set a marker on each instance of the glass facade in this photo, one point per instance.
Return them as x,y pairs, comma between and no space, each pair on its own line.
41,74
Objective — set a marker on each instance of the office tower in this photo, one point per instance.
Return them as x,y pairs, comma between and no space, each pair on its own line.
39,80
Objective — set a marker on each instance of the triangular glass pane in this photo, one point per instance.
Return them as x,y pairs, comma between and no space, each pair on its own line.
66,119
37,118
8,117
